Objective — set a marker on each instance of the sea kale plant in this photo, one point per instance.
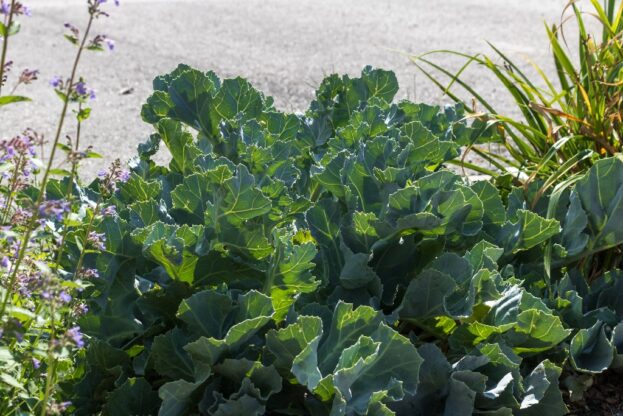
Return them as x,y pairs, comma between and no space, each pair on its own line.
327,263
41,209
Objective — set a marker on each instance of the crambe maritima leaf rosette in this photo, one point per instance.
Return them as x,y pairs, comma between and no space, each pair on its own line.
327,263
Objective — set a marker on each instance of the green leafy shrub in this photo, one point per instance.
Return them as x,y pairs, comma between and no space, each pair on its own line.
326,264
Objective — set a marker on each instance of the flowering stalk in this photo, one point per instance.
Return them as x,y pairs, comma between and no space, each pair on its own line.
5,44
50,379
70,184
87,234
35,217
9,202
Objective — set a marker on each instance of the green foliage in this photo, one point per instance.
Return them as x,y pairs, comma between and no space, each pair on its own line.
326,263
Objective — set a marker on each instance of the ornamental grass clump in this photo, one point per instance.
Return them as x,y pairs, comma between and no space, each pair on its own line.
568,119
41,209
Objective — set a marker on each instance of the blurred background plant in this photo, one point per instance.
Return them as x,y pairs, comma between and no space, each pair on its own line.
567,120
41,206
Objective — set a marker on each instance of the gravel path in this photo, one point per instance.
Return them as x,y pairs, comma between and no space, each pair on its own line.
284,47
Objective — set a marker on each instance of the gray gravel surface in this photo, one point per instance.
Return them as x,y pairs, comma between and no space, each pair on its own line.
285,47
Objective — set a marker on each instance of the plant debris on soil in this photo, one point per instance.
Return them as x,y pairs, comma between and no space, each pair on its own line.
604,397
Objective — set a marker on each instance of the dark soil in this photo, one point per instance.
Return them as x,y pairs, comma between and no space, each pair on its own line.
604,397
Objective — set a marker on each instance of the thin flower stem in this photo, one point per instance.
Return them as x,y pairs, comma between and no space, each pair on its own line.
9,202
5,44
51,373
35,217
70,184
86,236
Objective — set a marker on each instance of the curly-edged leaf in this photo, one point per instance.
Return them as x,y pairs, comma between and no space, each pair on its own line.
347,326
134,397
573,237
425,296
440,195
607,292
542,395
206,313
137,189
236,98
179,396
617,343
464,385
369,367
324,223
172,248
169,358
601,194
528,231
253,312
591,351
536,331
180,143
146,213
295,349
484,255
434,375
192,197
494,211
242,402
289,272
241,200
265,379
149,147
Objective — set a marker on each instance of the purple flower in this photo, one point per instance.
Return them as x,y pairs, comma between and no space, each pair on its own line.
75,336
36,363
81,309
110,43
5,262
88,274
56,82
73,29
124,176
109,211
97,240
5,8
64,297
53,209
81,88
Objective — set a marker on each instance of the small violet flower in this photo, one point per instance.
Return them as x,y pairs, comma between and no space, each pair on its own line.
64,297
97,240
56,82
109,211
53,209
75,336
105,1
18,8
88,274
81,88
